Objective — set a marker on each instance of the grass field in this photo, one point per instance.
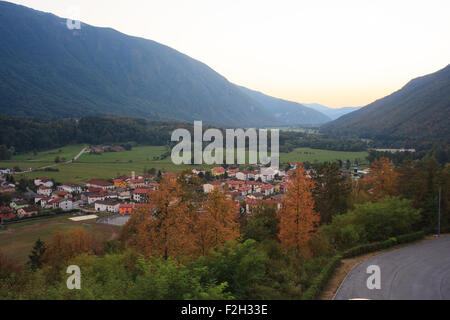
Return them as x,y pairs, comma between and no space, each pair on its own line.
314,155
67,152
18,240
110,165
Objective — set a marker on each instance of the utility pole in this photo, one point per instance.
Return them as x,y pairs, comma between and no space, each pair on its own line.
439,214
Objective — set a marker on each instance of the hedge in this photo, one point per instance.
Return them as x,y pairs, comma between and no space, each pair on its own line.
371,247
319,282
410,237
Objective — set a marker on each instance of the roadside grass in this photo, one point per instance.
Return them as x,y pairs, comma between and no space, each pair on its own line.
18,240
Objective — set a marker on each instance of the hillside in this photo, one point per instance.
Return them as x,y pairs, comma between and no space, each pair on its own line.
419,111
48,71
287,112
331,112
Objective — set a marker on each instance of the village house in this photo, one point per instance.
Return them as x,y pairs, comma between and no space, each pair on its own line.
107,206
120,184
5,171
44,191
217,171
241,175
43,182
27,212
105,185
245,191
232,172
126,208
136,183
61,203
61,194
70,188
18,204
199,171
235,185
42,201
268,190
256,195
123,195
7,189
94,197
209,187
6,213
153,186
141,195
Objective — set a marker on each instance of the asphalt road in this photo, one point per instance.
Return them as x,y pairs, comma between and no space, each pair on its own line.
418,272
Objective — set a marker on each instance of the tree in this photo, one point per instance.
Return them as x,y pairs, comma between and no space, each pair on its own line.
385,178
331,192
264,224
216,224
36,255
163,228
298,219
65,246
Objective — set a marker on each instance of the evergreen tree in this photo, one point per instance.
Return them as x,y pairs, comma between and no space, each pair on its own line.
36,255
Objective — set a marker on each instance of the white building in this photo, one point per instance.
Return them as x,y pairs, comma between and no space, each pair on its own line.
70,188
43,182
107,206
44,191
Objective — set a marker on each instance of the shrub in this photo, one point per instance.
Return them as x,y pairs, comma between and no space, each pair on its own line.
321,280
372,222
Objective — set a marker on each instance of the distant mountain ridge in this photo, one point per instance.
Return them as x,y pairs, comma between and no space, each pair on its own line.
48,72
417,112
331,112
288,112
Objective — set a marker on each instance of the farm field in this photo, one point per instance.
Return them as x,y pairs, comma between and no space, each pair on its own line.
67,153
18,240
316,155
112,164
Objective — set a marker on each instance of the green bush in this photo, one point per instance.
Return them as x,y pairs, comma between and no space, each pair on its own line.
321,280
411,237
371,247
372,222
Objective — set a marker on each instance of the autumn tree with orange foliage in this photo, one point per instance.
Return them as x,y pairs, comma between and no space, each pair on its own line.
385,178
65,246
298,220
163,228
216,224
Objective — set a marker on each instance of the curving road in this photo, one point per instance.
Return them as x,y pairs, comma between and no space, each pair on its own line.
418,272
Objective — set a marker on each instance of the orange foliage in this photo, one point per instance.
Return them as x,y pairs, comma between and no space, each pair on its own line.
162,228
64,247
298,220
385,178
217,224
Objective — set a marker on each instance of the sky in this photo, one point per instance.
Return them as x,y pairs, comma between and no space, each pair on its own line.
336,53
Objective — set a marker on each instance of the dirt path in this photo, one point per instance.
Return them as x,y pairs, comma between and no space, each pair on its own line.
348,264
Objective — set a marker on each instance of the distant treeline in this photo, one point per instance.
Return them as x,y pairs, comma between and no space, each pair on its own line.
18,135
291,140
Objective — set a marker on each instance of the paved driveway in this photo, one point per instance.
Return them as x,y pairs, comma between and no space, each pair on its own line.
418,272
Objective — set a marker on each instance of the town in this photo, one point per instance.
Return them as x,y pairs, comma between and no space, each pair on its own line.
123,195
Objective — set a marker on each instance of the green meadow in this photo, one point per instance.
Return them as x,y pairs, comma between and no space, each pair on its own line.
111,164
18,240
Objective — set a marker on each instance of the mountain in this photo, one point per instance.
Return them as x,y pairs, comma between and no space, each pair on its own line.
330,112
418,112
48,71
287,112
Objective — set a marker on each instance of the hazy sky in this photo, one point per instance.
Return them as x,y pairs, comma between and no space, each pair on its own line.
337,53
